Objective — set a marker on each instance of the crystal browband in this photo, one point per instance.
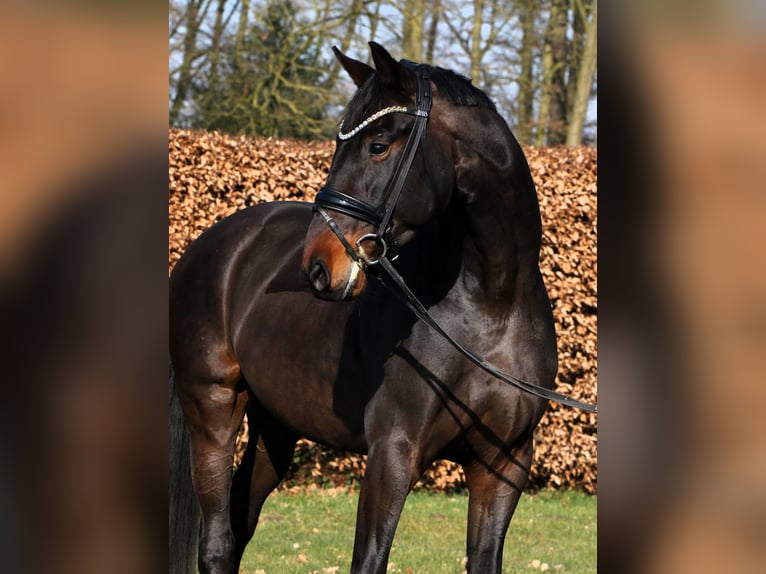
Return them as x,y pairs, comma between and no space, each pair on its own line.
368,121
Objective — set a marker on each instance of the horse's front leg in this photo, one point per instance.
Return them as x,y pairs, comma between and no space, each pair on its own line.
494,488
391,472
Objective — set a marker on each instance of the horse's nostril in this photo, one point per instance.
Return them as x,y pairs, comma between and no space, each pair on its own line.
319,276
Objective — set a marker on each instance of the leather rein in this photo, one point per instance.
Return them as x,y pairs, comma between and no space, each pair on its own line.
332,199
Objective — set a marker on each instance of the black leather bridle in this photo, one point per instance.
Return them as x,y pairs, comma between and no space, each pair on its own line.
330,198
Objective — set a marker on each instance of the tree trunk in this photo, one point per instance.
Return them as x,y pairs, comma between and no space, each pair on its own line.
476,51
374,18
353,16
525,81
215,41
558,105
436,8
244,15
195,12
584,83
545,92
580,11
412,30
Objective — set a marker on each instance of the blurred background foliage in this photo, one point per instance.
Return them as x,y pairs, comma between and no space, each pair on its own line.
265,68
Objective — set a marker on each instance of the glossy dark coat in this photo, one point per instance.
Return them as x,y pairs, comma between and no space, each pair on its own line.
339,360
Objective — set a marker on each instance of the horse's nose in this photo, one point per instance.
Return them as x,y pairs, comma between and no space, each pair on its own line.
319,276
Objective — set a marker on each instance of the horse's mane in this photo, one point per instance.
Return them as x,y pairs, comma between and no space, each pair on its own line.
455,88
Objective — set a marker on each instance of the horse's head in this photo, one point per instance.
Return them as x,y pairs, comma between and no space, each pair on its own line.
389,175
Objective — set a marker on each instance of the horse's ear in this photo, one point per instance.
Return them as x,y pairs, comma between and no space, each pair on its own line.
359,71
394,74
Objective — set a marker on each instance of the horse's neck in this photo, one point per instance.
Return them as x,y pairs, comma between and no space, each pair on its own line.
499,208
502,243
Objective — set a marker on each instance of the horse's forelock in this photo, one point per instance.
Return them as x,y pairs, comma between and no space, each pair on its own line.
367,100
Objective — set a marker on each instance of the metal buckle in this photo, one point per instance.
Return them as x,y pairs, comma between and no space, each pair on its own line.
378,240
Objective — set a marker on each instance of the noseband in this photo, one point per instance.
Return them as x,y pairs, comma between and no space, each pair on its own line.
330,198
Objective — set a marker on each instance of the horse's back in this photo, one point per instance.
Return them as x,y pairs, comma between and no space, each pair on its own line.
219,245
228,265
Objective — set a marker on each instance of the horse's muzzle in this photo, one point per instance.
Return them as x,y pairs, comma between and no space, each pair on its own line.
344,284
329,271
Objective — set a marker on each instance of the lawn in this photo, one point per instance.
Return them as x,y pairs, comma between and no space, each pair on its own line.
313,532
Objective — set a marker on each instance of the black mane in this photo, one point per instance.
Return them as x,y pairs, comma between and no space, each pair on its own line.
455,88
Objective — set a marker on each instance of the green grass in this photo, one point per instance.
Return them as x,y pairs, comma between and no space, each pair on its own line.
313,533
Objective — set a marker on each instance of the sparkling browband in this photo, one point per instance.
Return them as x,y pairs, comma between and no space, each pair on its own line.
368,121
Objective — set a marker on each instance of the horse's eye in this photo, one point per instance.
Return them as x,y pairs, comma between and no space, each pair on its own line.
377,148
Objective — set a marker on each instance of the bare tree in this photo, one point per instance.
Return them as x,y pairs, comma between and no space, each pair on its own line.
353,15
477,31
584,81
217,34
535,58
412,29
436,12
557,36
244,15
195,14
526,81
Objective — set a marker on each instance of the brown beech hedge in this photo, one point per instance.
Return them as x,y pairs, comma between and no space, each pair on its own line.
211,175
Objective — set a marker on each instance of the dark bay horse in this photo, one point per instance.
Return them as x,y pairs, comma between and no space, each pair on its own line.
277,312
